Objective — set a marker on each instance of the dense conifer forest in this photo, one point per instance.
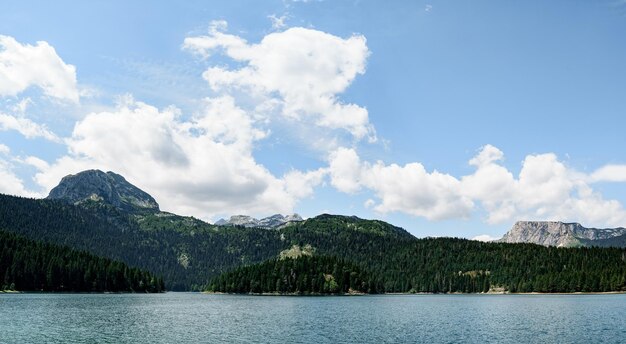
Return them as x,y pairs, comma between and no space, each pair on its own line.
442,265
27,265
190,253
304,275
445,265
186,252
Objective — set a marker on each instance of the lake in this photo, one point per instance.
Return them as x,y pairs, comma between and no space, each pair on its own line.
199,318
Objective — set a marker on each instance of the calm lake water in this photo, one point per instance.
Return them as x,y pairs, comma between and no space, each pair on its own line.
198,318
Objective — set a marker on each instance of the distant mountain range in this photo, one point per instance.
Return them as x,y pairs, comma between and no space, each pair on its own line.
105,215
269,222
561,234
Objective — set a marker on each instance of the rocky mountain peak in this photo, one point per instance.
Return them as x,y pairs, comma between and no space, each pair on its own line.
556,233
269,222
243,220
107,187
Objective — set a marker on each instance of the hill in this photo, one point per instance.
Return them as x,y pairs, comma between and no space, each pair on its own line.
304,275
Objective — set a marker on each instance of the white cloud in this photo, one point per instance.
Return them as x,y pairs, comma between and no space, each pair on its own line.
409,189
4,150
545,189
26,127
21,106
278,23
10,183
486,156
413,190
25,65
300,184
300,71
36,162
345,170
201,166
485,238
609,173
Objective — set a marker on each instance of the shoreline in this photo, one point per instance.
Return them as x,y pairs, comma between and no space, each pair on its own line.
417,294
315,294
73,292
574,293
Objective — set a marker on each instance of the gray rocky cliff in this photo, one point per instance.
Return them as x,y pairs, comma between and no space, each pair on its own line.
98,186
555,233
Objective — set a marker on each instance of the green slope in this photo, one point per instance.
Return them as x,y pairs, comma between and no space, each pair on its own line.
187,252
186,256
28,265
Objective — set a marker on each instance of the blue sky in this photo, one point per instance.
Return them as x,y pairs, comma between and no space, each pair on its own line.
402,97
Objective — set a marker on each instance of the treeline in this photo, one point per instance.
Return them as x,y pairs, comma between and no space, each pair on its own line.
27,265
305,275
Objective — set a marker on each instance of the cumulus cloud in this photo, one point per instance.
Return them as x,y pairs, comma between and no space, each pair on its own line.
201,166
545,188
25,65
409,189
26,127
300,71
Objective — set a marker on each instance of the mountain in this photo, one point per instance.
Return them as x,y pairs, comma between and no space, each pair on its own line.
243,220
185,251
270,222
560,234
221,222
190,253
98,186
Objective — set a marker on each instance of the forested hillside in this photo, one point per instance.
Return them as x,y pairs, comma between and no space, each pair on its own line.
185,251
445,265
304,275
28,265
189,253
